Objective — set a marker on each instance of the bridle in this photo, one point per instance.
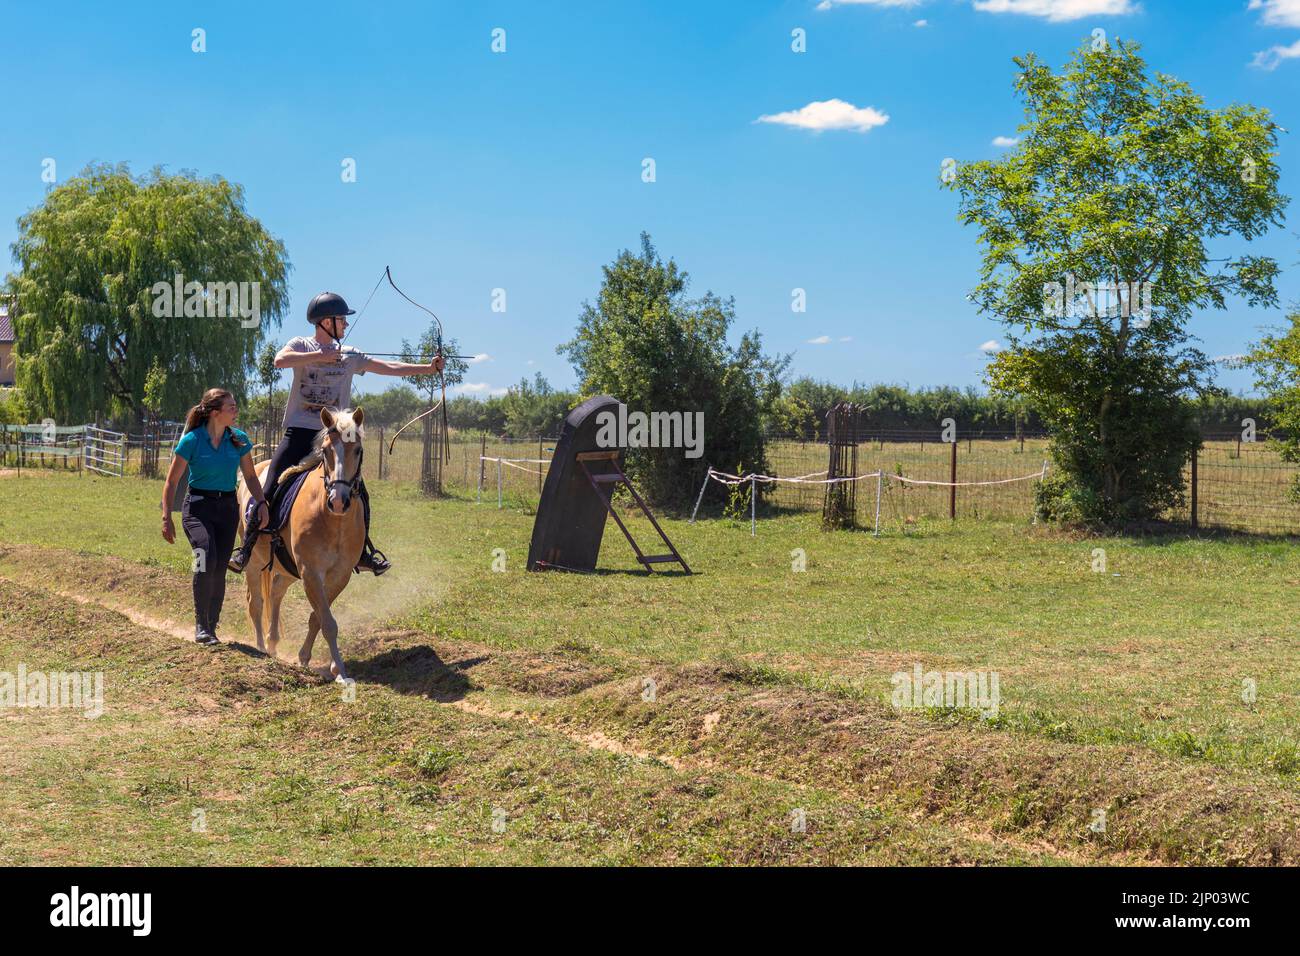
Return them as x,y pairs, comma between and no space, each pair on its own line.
353,483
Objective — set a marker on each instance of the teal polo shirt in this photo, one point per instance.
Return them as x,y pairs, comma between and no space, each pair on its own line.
212,469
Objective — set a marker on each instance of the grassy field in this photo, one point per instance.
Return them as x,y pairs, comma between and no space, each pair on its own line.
1242,486
623,718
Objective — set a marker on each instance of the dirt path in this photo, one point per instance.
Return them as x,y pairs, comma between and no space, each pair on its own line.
169,627
162,625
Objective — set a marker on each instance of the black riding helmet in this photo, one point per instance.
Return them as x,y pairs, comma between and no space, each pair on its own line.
327,305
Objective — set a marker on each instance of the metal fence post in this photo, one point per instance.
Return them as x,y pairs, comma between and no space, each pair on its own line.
700,496
482,464
952,490
1195,455
753,503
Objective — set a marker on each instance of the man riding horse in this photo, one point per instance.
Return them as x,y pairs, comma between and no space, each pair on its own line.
322,378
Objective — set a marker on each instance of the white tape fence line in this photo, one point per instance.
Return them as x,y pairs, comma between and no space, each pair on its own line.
516,463
753,478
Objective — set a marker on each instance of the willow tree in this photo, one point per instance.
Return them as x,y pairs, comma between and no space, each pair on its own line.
1096,233
118,273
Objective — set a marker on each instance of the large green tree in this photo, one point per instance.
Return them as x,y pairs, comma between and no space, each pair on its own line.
648,345
1121,179
90,320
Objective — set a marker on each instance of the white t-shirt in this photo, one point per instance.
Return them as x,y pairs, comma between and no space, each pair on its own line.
320,386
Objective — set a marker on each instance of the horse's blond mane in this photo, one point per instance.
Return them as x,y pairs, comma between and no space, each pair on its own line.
342,422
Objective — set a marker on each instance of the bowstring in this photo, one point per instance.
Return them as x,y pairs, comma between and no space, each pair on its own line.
442,379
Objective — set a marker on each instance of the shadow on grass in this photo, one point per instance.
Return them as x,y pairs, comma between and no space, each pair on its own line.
1164,534
418,671
606,572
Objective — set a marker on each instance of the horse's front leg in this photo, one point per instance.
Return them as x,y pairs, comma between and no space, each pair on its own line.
319,597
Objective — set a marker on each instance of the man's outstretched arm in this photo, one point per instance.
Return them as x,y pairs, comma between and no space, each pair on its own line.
381,367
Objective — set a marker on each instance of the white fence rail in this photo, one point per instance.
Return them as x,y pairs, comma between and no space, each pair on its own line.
23,443
104,451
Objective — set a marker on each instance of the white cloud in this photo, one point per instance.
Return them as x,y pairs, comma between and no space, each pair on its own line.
1278,13
1005,142
829,114
1272,58
846,338
991,347
921,23
480,388
820,340
480,357
1058,11
827,4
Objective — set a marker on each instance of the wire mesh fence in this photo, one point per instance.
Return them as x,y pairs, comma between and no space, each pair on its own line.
1240,486
1233,485
973,463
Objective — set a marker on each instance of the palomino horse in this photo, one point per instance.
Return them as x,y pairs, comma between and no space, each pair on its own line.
324,535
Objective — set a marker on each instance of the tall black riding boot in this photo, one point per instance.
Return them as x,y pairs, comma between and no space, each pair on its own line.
239,559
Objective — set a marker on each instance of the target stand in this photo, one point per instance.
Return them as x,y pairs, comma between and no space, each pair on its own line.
576,498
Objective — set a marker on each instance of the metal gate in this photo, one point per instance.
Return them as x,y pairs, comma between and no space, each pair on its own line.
104,451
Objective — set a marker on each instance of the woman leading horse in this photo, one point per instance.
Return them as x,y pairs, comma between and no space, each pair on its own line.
214,451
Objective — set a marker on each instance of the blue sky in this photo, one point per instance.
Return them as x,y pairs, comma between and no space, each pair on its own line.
522,170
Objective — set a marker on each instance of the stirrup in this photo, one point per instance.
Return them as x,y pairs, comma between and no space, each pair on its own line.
244,553
372,560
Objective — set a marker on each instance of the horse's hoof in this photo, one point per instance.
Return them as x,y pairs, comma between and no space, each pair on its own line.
334,669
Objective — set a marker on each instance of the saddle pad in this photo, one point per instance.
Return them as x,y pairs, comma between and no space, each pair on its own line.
281,506
285,496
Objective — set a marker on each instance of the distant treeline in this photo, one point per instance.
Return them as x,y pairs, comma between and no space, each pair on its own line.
534,408
527,410
897,407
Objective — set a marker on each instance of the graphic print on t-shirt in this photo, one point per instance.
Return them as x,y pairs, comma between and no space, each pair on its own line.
322,386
